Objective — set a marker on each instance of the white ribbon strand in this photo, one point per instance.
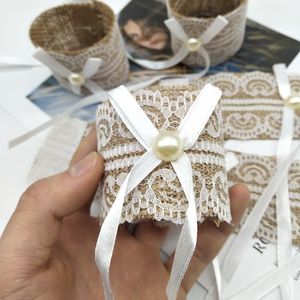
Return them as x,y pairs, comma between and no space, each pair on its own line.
283,211
144,131
176,29
90,100
269,282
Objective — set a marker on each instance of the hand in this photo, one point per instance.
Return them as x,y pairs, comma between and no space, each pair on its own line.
47,248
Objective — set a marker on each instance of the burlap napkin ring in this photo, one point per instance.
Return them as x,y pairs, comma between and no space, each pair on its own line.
160,196
164,160
225,44
82,45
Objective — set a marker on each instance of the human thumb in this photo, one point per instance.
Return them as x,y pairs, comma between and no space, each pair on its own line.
35,225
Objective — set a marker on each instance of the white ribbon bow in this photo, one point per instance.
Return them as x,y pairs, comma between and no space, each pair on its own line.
76,80
189,44
145,132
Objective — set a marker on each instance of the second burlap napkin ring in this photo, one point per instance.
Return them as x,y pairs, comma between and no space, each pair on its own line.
82,46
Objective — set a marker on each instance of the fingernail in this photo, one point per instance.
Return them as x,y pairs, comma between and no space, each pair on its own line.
84,166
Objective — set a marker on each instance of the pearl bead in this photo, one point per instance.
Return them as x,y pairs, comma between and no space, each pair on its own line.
76,79
193,44
168,146
293,102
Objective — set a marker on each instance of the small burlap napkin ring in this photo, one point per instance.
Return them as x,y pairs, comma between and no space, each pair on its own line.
84,44
195,16
160,196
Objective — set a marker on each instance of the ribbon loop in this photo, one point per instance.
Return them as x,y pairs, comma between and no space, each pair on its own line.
107,237
76,80
174,27
206,102
189,232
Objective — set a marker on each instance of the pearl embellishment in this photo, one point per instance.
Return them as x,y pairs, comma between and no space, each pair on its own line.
76,79
168,146
193,44
293,102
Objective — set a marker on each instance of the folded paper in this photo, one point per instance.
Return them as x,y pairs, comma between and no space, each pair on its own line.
85,40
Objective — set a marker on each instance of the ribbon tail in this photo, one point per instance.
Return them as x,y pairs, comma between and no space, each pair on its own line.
76,89
214,29
188,236
206,58
93,99
193,123
51,63
175,28
93,87
247,231
108,233
283,215
262,287
91,67
218,276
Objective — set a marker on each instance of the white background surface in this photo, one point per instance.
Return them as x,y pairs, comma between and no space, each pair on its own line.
18,114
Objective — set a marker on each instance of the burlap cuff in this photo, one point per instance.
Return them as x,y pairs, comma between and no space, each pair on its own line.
160,196
191,14
73,33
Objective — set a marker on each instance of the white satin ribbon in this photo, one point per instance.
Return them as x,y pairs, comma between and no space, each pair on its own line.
239,246
98,97
218,276
283,212
90,68
176,29
144,131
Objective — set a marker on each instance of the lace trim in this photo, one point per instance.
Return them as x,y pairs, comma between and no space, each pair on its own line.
251,105
136,147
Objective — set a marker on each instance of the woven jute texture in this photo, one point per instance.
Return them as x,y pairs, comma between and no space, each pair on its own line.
204,8
160,196
73,33
255,172
226,43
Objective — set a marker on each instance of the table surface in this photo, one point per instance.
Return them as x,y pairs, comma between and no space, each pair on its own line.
18,114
